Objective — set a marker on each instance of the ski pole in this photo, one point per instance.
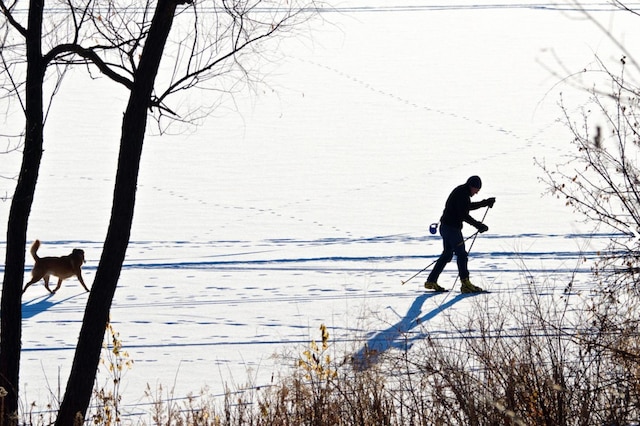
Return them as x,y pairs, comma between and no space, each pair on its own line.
477,232
432,263
419,272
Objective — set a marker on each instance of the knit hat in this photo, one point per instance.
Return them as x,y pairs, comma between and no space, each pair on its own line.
474,182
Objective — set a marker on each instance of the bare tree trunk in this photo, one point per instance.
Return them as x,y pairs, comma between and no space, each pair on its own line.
10,306
87,356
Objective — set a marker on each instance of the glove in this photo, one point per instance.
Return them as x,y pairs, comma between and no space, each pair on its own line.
489,202
482,228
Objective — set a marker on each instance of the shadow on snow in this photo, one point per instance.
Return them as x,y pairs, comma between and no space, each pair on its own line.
395,337
40,304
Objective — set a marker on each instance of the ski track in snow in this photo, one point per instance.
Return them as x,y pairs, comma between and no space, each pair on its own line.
240,302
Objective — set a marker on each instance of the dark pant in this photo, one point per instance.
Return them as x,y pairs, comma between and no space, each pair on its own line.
453,242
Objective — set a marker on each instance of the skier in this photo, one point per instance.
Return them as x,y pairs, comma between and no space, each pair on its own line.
456,211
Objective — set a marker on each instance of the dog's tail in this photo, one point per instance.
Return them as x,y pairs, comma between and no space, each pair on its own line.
34,249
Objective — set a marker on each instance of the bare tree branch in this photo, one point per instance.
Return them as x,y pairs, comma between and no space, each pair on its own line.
6,10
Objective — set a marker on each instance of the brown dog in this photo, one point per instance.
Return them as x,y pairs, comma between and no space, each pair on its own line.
62,267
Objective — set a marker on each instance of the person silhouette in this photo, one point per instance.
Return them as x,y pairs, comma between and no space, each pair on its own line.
456,211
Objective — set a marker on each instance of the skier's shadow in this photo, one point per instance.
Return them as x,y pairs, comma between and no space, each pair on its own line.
40,304
395,335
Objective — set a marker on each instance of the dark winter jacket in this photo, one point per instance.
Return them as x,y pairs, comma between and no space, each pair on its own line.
457,207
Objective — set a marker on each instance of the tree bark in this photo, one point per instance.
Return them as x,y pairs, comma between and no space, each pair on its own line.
10,305
87,356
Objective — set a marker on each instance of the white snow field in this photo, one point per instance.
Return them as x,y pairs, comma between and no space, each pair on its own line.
307,200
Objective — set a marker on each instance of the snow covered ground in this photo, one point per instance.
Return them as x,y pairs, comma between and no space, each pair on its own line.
308,200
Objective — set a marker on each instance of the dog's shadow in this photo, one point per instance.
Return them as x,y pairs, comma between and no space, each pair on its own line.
33,307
